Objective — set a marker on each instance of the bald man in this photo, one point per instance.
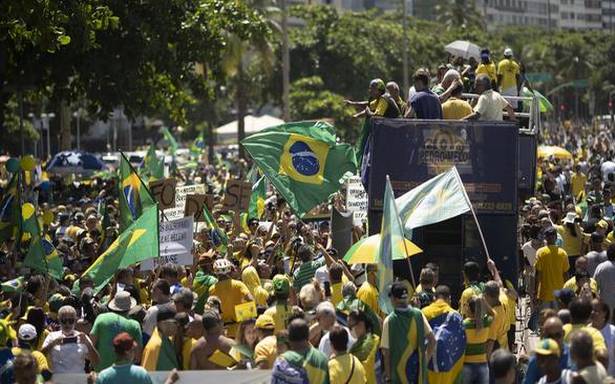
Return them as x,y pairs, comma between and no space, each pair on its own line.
553,328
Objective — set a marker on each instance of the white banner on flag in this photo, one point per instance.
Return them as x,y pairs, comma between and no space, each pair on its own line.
175,243
356,200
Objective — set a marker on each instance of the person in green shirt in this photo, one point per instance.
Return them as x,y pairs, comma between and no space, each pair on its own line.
110,324
302,363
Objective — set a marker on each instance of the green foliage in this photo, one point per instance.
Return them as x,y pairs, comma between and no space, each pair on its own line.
309,100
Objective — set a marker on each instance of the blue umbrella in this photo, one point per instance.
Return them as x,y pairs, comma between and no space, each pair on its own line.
68,162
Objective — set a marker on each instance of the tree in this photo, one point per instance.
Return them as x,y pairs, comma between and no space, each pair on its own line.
459,14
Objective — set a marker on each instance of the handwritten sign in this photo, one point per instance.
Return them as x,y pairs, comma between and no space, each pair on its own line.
194,206
175,244
164,192
237,195
182,191
356,200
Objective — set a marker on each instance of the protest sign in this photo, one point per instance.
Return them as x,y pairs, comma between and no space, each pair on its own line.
194,206
173,213
164,192
175,244
185,190
356,200
237,195
245,311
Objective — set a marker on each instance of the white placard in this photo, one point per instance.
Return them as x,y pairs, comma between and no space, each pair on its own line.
356,200
174,213
185,190
175,243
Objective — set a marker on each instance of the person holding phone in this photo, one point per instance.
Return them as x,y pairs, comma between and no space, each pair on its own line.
67,349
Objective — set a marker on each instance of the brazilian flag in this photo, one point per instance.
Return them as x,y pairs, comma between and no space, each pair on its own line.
134,195
9,209
13,286
217,236
153,166
198,145
168,136
302,160
42,255
257,199
136,243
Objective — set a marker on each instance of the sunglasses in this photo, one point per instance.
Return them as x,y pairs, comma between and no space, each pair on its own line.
67,321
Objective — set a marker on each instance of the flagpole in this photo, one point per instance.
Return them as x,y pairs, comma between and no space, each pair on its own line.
465,195
403,238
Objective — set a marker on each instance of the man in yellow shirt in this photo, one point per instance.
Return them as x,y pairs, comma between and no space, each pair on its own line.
368,292
231,292
577,182
499,327
487,67
551,268
474,288
509,78
455,108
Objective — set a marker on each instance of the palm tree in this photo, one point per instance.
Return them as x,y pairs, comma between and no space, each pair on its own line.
461,14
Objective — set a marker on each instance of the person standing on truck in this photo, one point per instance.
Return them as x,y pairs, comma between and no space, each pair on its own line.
487,67
456,108
424,104
380,103
490,103
509,79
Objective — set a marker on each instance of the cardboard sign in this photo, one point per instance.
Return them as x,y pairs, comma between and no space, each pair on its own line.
356,200
185,190
194,206
175,244
173,213
164,192
237,196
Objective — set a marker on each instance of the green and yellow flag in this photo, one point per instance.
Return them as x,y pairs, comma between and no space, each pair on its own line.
42,255
9,209
168,136
198,145
302,160
137,243
257,199
153,167
217,236
13,286
134,195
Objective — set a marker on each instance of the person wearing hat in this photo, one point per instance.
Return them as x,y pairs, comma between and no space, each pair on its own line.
487,67
67,349
551,270
279,307
124,370
233,292
380,102
547,353
265,351
159,354
108,325
403,321
26,336
509,76
551,329
572,235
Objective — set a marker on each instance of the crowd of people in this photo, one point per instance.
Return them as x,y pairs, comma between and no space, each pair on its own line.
317,318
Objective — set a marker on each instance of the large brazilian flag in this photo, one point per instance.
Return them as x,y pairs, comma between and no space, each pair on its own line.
302,160
134,195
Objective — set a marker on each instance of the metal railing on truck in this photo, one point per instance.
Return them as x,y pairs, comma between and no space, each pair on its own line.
530,121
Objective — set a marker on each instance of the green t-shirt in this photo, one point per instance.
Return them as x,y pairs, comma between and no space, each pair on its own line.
106,327
125,373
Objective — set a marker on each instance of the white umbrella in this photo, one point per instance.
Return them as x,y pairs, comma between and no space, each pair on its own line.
464,49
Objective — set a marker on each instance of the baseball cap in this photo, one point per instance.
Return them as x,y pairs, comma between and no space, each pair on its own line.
265,322
27,332
508,52
547,347
399,290
565,295
551,231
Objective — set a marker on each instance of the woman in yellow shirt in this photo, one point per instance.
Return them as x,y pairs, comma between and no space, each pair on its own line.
572,235
344,367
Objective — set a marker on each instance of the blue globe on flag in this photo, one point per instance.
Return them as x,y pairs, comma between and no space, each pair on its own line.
304,160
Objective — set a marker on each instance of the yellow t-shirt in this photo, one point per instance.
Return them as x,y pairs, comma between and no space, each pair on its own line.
577,183
509,70
378,106
487,69
266,350
455,109
368,294
499,326
279,313
572,284
597,337
571,244
552,263
231,293
41,360
476,340
466,295
340,370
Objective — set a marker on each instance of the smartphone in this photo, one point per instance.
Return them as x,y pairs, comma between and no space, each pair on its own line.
69,340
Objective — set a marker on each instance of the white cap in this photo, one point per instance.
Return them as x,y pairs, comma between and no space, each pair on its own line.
508,52
27,332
